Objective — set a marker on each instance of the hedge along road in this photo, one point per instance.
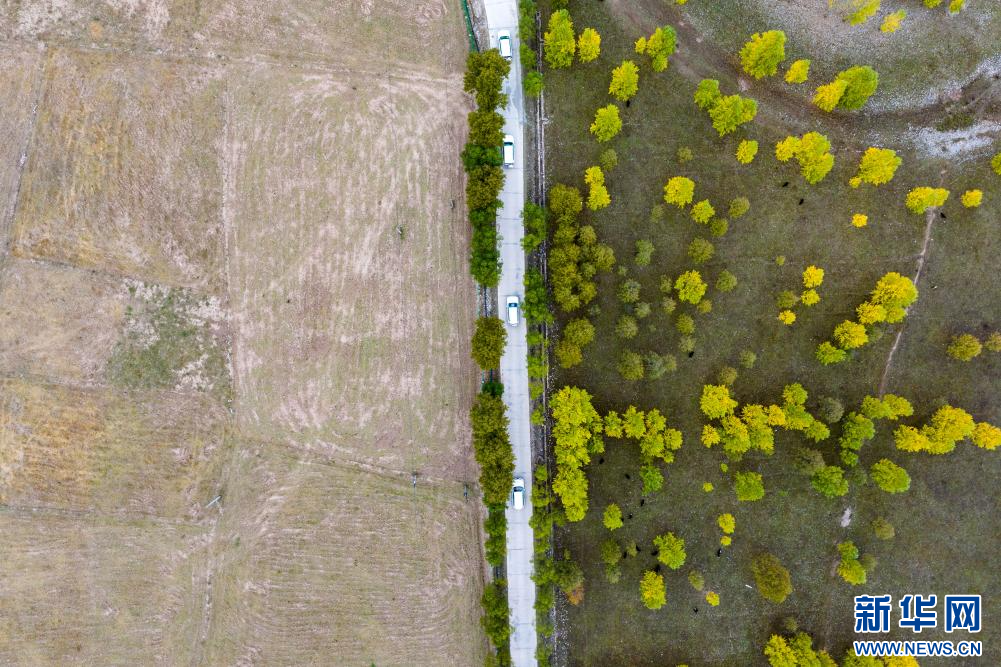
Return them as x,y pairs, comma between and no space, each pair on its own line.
503,15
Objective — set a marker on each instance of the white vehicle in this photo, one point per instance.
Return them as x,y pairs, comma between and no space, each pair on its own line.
508,150
504,43
513,303
518,493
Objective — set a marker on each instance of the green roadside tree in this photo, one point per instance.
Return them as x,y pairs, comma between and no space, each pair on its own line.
488,342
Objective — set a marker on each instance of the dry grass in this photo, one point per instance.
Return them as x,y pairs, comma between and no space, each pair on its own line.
94,450
96,590
125,173
335,314
218,185
315,561
425,36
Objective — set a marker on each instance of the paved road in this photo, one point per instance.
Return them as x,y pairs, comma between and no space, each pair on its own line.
503,15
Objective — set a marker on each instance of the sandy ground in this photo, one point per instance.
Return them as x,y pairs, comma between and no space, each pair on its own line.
296,171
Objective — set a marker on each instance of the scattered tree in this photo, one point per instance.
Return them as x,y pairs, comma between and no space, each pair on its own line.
812,151
798,72
746,151
559,40
670,550
772,579
749,486
702,212
659,47
890,477
608,159
972,198
760,57
625,81
588,45
739,207
701,250
921,199
607,123
630,365
850,568
883,529
964,347
613,517
644,252
626,327
679,191
598,197
652,590
830,481
726,281
690,287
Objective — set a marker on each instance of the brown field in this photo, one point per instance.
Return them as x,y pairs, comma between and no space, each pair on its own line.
413,36
90,589
125,172
300,540
205,292
334,312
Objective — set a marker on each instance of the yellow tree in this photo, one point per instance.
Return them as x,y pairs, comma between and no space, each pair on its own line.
923,198
607,123
877,166
679,191
798,72
560,44
652,590
625,81
760,57
588,45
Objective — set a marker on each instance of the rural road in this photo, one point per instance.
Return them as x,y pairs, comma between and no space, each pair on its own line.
503,15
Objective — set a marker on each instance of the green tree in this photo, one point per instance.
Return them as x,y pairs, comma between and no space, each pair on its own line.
701,250
492,448
659,47
484,77
761,56
613,517
559,40
731,112
707,94
850,568
625,81
631,365
890,477
657,365
495,620
496,529
772,579
532,83
607,123
608,159
644,252
626,327
670,550
652,477
882,529
749,486
830,481
690,287
629,291
726,281
533,217
611,554
964,347
652,590
588,45
488,342
577,335
739,206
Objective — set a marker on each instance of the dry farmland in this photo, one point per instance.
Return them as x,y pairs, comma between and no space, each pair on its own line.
234,266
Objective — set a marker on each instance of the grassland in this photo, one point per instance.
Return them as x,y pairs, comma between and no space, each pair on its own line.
946,522
234,320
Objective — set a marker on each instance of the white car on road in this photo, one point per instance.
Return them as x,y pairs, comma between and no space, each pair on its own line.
504,43
518,493
508,150
513,304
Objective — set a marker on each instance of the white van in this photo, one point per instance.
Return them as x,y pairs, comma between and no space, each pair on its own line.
513,303
508,150
504,43
518,493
